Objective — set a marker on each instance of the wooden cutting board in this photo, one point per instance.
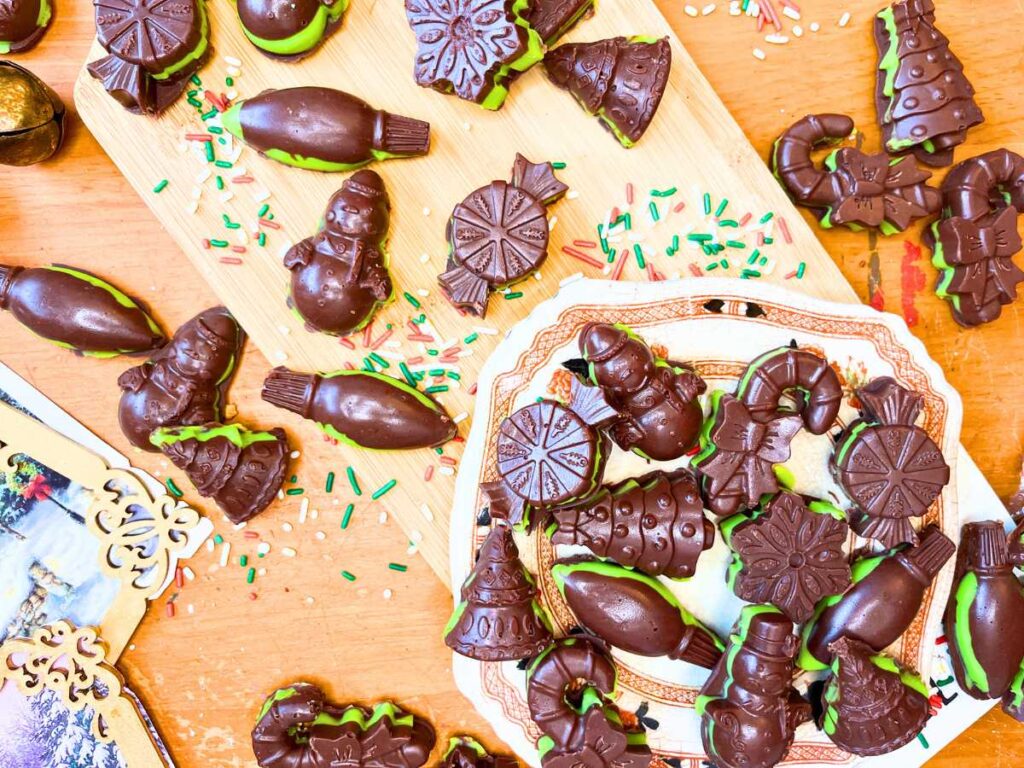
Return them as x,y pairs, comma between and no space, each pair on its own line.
693,145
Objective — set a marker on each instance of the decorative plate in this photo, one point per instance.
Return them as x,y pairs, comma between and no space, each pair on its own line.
718,326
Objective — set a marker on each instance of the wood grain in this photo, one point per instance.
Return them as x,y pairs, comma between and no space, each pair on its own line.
202,675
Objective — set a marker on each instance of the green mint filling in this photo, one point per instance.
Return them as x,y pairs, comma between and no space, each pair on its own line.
890,61
1017,689
305,39
279,695
907,678
454,619
237,434
844,447
459,741
966,591
196,53
534,52
569,23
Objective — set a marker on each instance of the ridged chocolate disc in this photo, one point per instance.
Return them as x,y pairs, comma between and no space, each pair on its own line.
154,34
499,233
546,454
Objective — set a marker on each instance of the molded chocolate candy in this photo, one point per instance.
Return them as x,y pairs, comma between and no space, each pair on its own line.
738,454
498,235
298,728
924,101
77,310
789,554
322,129
784,371
853,188
748,707
472,47
340,275
985,617
31,117
553,18
659,415
871,706
467,752
654,523
889,467
634,612
239,469
498,617
154,47
183,383
361,408
620,80
289,29
886,595
23,24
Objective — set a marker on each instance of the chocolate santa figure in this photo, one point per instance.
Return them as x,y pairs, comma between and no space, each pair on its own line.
340,275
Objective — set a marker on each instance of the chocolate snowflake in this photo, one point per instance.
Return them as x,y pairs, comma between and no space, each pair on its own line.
791,556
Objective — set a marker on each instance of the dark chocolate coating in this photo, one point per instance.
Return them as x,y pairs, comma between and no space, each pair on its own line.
626,609
498,617
274,20
464,752
19,24
31,117
620,79
367,410
748,706
879,606
784,370
659,414
183,383
340,275
327,125
553,18
604,744
243,481
295,710
655,523
73,308
869,710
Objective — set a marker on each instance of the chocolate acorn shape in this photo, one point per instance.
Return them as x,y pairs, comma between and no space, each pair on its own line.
289,29
870,705
362,409
298,728
619,80
634,612
659,415
653,523
183,383
340,275
985,615
154,47
77,310
23,24
322,129
31,117
239,469
467,752
748,707
498,617
886,594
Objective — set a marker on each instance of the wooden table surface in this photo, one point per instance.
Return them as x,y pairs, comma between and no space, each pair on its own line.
203,674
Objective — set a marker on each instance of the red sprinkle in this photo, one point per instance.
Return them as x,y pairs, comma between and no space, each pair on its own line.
448,461
472,390
420,337
458,439
784,229
760,239
414,360
451,351
695,270
652,273
243,180
629,193
614,214
746,217
428,473
347,343
791,275
206,243
270,224
580,256
238,249
760,21
230,260
679,207
367,334
253,595
198,137
169,609
383,337
349,366
620,264
584,243
912,281
179,577
940,640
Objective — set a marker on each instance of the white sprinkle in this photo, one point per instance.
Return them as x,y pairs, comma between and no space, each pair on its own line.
426,211
460,418
203,175
537,276
190,608
411,550
792,13
486,330
415,535
424,258
570,279
294,455
309,600
232,94
423,292
572,194
690,11
189,573
708,9
425,510
759,54
281,355
387,594
261,572
467,127
754,10
314,514
260,194
815,26
209,545
225,552
798,31
280,494
382,518
552,221
239,526
844,19
286,527
320,535
776,39
241,237
263,548
193,207
284,330
226,196
734,8
303,510
446,471
288,552
232,61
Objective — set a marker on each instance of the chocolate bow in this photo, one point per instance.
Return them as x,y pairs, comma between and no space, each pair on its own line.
966,242
873,190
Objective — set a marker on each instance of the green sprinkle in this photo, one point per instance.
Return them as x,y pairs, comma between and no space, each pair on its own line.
383,489
223,164
295,492
353,482
347,517
161,186
195,102
735,244
250,577
728,223
611,257
219,243
628,219
329,485
412,299
471,338
263,210
379,360
349,576
724,263
195,80
433,352
558,166
208,115
229,81
923,740
232,225
262,239
707,204
639,253
436,371
800,270
663,192
454,375
220,182
398,567
513,295
214,129
746,274
721,207
293,479
654,210
243,560
767,217
368,365
769,240
762,261
407,374
209,151
218,539
698,238
173,488
713,265
755,254
440,451
436,389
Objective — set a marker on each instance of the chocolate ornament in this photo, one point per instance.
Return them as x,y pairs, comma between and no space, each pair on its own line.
871,706
748,707
363,409
886,594
659,415
241,470
77,310
183,383
298,728
340,275
788,553
654,523
620,80
889,467
498,617
498,235
155,46
853,188
634,612
553,18
289,29
785,371
321,129
985,617
23,24
31,117
467,752
975,239
924,101
472,47
738,454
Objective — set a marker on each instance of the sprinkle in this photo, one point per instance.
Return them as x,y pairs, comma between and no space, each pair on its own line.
844,19
920,736
348,576
436,389
218,539
387,593
243,560
398,567
225,553
189,573
412,299
384,488
655,216
580,256
815,26
776,39
721,207
347,517
759,54
428,473
169,609
288,552
250,577
707,204
513,295
329,485
351,473
269,224
161,186
295,492
690,11
174,489
800,270
784,229
708,9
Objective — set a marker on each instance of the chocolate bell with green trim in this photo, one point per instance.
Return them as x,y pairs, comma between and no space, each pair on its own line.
289,29
31,117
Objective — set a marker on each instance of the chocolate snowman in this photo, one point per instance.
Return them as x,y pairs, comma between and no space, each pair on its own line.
340,275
